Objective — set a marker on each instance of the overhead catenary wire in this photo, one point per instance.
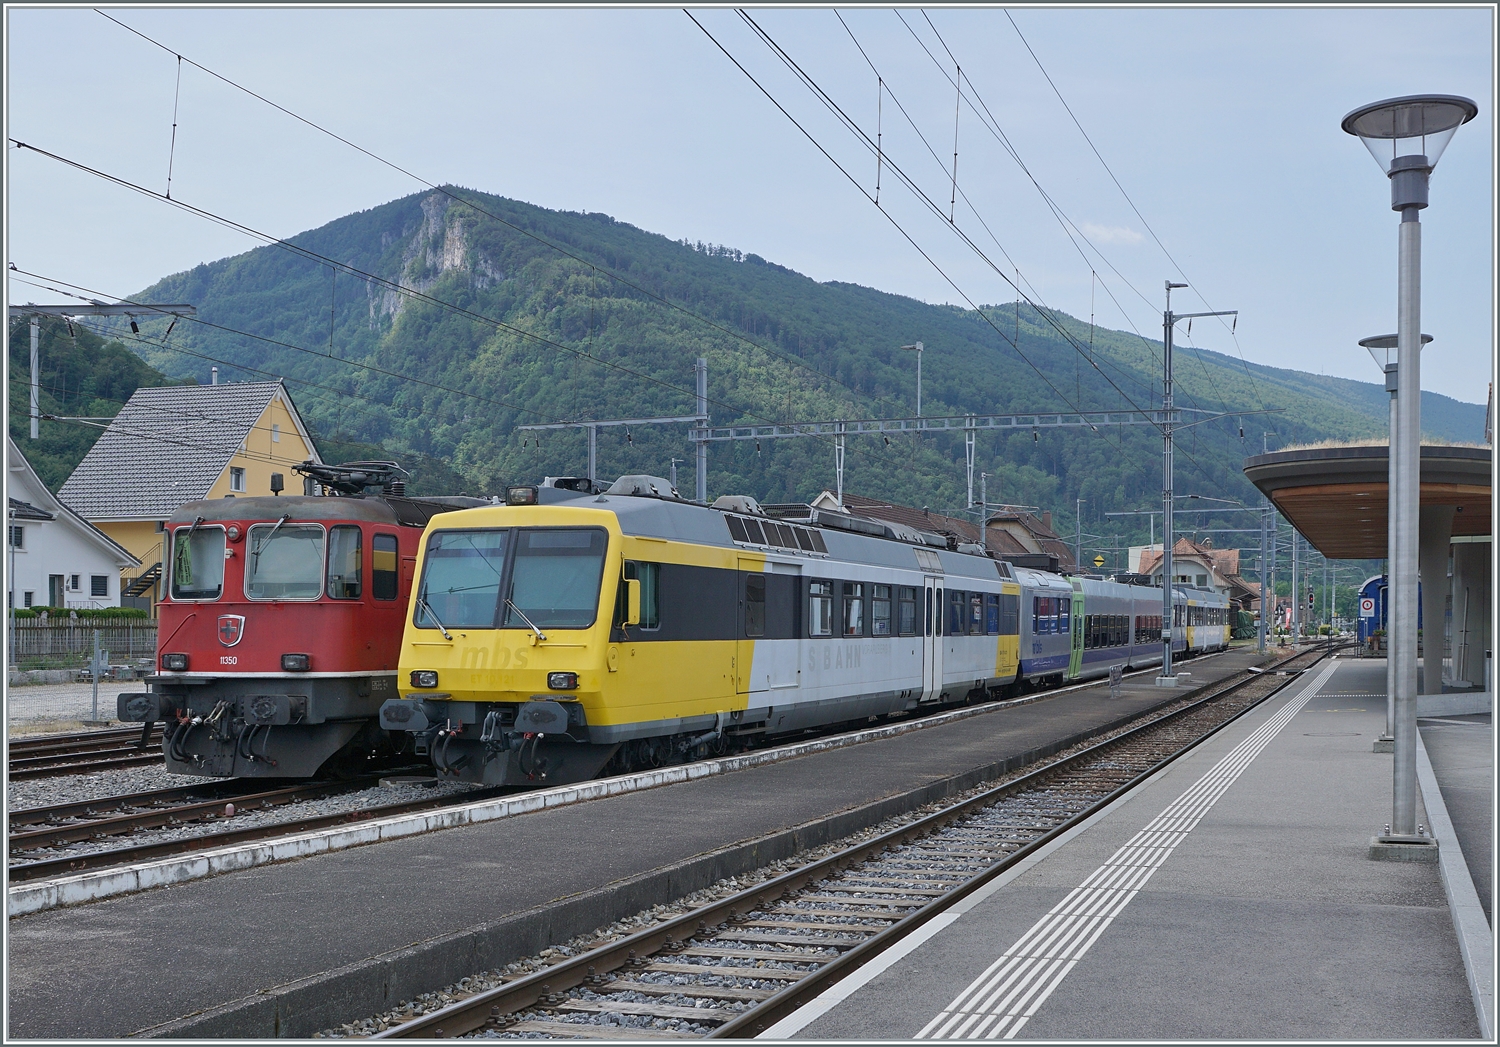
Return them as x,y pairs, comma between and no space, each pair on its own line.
1070,228
921,196
865,193
1244,364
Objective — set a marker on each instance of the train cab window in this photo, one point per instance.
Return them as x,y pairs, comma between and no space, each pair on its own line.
344,567
819,608
461,579
1010,614
197,563
755,605
906,610
880,610
384,564
284,561
976,614
554,578
992,614
854,609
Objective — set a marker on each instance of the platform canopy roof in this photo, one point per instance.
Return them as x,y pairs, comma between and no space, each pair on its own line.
1337,497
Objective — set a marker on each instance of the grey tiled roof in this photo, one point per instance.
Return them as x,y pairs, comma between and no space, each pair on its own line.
20,510
167,446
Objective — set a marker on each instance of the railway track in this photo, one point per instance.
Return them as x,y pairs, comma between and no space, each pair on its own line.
49,827
733,968
39,828
21,871
82,753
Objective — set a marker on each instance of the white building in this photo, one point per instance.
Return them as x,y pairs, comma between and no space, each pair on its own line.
53,556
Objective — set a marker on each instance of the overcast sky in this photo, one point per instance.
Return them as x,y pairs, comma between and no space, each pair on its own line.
1222,125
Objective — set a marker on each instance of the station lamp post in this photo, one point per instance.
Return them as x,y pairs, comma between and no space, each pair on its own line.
1379,347
1406,136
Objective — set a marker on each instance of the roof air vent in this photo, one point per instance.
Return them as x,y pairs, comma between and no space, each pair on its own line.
738,503
644,486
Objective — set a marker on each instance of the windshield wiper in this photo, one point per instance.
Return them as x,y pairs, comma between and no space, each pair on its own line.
424,605
539,634
260,546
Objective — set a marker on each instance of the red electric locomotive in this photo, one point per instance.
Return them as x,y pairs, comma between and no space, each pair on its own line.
281,625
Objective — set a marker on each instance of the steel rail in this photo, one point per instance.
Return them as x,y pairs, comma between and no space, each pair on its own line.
222,789
549,984
116,856
107,763
78,741
179,814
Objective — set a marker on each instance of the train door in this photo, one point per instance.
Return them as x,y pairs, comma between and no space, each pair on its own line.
1075,656
750,627
932,639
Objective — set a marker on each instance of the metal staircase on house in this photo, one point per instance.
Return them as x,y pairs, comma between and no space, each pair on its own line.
142,583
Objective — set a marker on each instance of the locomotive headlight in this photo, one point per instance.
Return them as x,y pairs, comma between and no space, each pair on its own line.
296,663
175,663
424,678
562,681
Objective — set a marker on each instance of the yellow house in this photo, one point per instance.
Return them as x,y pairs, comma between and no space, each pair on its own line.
178,444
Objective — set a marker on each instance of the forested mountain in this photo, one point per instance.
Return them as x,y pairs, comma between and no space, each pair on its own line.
513,317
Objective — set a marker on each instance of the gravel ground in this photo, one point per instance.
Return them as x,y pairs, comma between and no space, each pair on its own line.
46,708
787,957
364,798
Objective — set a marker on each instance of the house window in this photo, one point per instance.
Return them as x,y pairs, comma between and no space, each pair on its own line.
236,478
73,582
18,538
1203,579
98,585
27,598
276,434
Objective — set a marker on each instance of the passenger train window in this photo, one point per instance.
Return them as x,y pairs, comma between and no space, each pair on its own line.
1064,604
880,610
992,614
906,610
958,612
1010,614
383,567
927,613
755,605
344,562
854,609
819,608
976,614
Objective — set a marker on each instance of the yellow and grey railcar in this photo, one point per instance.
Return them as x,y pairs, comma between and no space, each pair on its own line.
568,633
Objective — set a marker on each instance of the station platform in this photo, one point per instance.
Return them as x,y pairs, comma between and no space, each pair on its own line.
291,948
1231,896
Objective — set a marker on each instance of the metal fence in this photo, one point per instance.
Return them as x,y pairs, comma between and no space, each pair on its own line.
126,638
